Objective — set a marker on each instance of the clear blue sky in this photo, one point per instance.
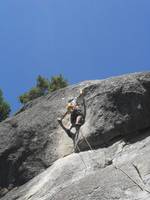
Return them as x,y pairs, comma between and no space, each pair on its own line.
82,39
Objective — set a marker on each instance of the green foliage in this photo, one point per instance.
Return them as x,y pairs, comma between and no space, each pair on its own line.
4,108
43,86
24,98
57,82
34,93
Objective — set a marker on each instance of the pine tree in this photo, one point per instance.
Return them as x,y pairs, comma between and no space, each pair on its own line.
57,82
4,107
43,86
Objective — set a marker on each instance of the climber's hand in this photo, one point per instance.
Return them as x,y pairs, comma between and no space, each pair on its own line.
59,119
81,92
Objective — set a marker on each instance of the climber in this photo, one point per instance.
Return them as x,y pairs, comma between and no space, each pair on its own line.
77,117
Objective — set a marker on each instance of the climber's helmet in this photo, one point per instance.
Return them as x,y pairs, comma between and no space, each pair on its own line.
72,104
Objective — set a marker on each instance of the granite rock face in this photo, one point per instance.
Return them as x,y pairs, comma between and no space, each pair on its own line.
120,171
117,107
32,140
117,123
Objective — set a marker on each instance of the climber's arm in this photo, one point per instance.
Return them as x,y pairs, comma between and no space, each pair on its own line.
84,108
81,93
59,119
64,115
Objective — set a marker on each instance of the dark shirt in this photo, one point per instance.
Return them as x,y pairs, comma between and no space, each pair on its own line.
75,113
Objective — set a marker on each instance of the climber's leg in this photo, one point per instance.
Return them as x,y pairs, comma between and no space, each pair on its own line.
68,131
79,121
77,127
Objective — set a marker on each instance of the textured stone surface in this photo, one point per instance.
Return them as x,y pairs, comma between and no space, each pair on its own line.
117,107
118,112
120,171
32,140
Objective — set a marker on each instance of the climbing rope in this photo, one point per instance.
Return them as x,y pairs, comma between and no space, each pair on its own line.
77,133
88,143
76,146
81,156
128,176
143,189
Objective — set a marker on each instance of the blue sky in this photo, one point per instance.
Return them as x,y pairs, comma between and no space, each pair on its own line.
82,39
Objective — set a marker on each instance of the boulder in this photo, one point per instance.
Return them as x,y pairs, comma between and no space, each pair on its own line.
116,107
32,140
120,171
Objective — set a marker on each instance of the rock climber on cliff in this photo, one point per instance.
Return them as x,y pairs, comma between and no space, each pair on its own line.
77,115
